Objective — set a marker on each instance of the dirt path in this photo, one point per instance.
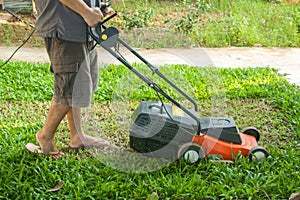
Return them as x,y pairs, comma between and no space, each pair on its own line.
286,60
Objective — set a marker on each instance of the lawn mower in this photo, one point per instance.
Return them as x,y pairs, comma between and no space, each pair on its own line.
170,130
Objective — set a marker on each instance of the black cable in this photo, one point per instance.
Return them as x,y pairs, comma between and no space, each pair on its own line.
164,107
169,115
17,17
25,41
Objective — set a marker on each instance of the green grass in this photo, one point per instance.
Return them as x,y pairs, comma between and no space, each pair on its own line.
239,23
252,96
168,23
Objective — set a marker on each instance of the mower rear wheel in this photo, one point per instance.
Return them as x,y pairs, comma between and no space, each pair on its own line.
258,154
252,131
191,152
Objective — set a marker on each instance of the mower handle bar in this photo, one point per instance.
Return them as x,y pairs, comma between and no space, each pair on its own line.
151,67
141,76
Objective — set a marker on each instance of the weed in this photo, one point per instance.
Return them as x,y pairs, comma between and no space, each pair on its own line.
191,18
139,19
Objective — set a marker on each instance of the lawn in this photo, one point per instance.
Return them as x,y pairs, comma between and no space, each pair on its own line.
257,97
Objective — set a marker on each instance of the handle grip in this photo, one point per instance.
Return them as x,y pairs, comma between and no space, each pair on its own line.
105,5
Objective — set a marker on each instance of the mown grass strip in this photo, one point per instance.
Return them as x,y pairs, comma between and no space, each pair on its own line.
252,96
23,81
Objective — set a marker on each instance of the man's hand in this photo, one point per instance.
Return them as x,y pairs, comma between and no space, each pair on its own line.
108,11
93,17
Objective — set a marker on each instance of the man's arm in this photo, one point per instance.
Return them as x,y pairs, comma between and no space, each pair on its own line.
92,16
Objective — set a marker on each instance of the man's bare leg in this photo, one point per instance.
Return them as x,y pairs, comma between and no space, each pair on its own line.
75,126
46,135
77,137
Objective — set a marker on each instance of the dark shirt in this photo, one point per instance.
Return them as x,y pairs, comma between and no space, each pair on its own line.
57,20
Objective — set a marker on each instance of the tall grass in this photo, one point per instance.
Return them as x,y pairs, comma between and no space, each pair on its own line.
250,23
215,24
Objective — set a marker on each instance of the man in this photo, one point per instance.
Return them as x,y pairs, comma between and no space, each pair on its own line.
63,24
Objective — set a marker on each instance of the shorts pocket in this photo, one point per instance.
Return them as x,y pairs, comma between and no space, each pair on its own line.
66,83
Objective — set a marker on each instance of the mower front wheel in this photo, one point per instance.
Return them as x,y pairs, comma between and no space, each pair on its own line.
191,152
258,154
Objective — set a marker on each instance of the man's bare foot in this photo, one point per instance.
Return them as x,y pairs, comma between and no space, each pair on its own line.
47,146
37,149
87,141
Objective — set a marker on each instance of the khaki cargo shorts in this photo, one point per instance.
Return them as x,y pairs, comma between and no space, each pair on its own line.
75,69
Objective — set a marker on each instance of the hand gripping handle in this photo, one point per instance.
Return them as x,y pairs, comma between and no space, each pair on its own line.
105,5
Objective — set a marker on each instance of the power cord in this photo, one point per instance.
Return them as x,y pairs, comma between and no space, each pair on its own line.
169,115
25,41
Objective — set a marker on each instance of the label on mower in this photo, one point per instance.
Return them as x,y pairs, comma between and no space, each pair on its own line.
177,111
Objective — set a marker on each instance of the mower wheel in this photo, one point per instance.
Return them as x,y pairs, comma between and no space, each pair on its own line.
258,154
252,131
191,152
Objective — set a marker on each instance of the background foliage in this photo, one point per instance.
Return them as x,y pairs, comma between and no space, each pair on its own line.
205,23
